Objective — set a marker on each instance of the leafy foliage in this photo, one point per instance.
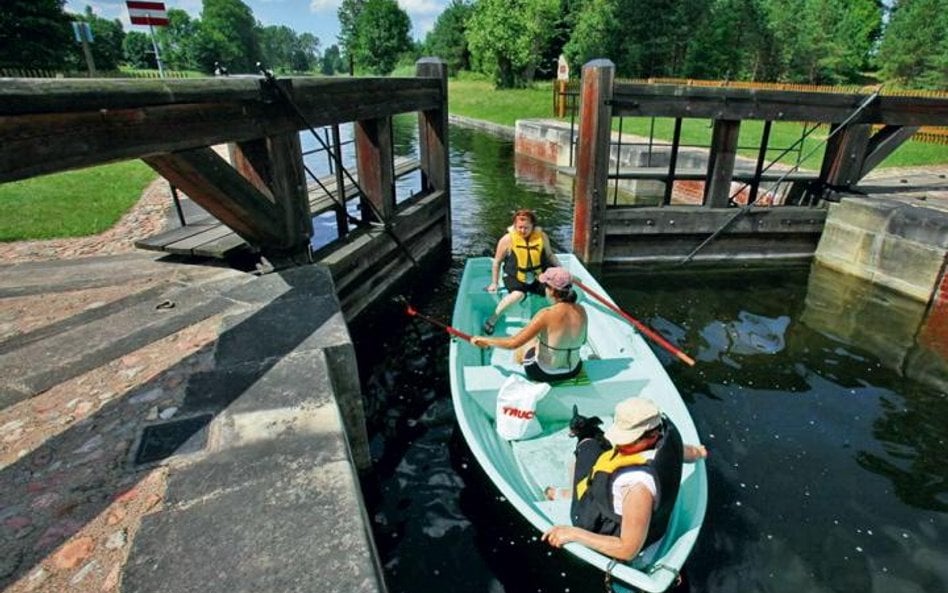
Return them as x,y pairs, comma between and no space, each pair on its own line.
227,34
34,34
915,47
507,38
382,35
138,51
332,61
447,39
283,49
348,15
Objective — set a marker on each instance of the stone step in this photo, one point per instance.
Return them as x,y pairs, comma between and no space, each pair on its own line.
75,345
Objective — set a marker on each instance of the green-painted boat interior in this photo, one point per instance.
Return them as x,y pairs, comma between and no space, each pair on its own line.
617,364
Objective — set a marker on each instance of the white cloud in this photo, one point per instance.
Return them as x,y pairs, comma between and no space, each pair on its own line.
422,7
323,5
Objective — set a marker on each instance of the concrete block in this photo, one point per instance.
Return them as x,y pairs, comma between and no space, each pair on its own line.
846,248
271,383
280,327
909,267
269,517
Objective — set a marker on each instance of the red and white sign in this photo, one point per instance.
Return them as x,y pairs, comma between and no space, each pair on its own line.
141,12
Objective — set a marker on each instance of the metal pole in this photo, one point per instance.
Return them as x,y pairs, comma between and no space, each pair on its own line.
154,44
177,204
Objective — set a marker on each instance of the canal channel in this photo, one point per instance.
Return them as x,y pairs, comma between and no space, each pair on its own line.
826,420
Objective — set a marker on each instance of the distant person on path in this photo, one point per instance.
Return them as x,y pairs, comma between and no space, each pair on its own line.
623,497
524,252
548,347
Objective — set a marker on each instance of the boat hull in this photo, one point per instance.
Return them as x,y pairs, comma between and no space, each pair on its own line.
617,364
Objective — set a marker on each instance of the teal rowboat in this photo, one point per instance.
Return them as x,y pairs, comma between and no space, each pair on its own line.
617,364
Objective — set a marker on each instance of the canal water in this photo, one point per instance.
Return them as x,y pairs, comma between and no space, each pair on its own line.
821,399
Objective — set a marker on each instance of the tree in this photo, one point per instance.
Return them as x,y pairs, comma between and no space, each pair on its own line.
642,39
227,34
177,41
34,34
507,38
348,14
914,48
332,61
382,35
732,42
138,51
447,39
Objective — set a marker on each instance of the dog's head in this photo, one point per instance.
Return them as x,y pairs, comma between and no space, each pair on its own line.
582,427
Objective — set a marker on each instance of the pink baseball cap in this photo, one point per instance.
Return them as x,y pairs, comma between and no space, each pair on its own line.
557,278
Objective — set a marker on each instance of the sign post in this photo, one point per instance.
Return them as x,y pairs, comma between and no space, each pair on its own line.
83,33
153,14
561,86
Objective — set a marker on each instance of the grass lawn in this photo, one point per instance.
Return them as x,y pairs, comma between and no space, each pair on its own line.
71,204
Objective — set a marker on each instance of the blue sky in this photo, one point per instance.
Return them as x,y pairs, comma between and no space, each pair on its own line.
315,16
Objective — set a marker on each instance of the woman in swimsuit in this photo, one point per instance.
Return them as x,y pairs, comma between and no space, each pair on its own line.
548,347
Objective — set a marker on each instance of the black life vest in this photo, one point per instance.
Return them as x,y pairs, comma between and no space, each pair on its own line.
592,507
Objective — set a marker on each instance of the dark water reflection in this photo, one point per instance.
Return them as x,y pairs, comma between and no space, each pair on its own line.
826,419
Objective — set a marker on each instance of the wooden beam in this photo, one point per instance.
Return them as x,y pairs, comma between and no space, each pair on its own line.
717,189
688,220
373,143
38,143
646,100
844,156
20,96
217,187
884,143
592,160
251,160
433,136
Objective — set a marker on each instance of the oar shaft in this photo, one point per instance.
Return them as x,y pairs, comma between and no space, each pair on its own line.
451,330
648,332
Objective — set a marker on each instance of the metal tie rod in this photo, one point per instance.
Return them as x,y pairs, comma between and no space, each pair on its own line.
747,207
272,81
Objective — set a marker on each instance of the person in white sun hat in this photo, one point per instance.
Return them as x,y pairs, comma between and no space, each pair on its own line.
623,496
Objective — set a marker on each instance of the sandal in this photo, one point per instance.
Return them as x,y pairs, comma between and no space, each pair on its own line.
489,327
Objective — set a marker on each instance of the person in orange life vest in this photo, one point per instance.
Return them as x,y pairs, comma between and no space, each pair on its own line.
548,347
623,497
524,253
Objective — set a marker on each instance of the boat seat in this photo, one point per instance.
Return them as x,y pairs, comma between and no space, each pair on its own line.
596,391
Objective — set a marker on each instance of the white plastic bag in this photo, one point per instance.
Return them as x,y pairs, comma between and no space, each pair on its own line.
516,408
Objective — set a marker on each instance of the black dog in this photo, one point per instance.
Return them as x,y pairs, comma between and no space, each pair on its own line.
584,428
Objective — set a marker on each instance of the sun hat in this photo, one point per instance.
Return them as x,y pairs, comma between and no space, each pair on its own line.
558,278
633,418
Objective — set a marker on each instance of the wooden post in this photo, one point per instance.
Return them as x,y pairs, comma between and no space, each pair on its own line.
433,138
717,188
289,189
592,160
274,165
373,143
845,155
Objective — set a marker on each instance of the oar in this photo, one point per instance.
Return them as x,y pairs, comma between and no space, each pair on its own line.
655,337
451,330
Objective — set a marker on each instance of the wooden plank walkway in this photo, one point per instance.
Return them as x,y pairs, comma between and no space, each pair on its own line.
208,237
